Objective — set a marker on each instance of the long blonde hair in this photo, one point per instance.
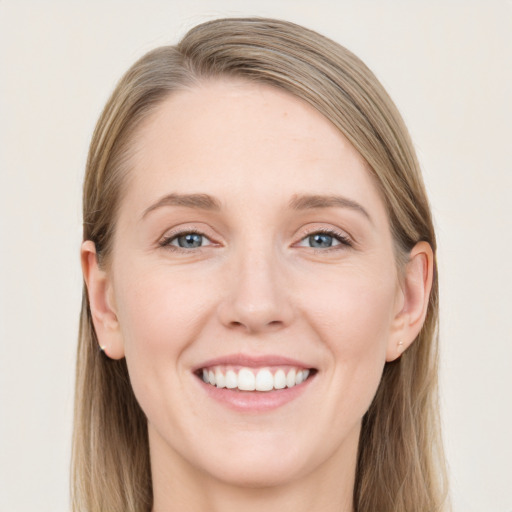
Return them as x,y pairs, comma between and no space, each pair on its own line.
400,463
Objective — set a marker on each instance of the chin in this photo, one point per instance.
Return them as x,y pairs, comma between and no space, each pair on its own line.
254,459
255,474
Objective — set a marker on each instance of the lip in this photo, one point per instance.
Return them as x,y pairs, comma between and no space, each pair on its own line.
254,401
252,361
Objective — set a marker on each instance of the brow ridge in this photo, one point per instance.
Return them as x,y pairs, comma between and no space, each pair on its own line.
309,202
298,202
200,201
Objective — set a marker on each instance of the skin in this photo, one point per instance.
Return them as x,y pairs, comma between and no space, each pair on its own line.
255,287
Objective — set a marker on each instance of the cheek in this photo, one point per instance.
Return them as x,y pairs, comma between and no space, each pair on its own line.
354,319
160,316
154,307
355,312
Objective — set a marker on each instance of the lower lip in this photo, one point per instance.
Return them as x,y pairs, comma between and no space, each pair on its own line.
255,401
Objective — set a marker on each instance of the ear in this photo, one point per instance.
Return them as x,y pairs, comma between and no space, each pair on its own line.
415,291
101,301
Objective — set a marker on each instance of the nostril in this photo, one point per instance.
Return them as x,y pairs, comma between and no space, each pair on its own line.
274,324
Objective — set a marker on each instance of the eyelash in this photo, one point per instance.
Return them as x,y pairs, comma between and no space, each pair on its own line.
166,241
344,241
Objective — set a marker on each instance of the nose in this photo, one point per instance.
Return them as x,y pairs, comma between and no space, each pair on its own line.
257,296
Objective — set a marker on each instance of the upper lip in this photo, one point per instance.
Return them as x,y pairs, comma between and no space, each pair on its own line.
252,361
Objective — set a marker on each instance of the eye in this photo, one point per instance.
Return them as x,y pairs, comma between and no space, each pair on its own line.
321,240
324,240
188,240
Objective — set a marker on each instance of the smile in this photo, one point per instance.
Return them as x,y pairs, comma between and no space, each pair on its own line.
255,384
254,379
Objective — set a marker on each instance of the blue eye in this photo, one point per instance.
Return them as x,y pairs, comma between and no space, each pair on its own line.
325,240
189,240
322,241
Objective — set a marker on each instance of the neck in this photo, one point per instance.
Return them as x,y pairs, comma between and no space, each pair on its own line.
227,498
328,488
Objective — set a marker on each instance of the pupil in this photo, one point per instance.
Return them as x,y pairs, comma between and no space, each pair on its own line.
320,240
190,240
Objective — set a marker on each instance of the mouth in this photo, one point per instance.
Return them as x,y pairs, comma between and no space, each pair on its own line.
256,379
255,384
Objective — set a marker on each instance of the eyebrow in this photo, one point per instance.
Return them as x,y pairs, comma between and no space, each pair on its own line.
200,201
298,202
307,202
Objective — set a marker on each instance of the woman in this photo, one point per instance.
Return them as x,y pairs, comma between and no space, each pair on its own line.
258,328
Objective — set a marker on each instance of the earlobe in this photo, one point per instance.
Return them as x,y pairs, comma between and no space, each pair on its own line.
101,302
417,284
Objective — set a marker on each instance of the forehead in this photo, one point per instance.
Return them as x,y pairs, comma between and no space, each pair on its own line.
236,137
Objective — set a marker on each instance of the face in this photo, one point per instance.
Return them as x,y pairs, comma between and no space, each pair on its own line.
252,250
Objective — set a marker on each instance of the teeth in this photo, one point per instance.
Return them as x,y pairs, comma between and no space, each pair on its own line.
290,379
280,379
231,379
264,381
247,379
220,380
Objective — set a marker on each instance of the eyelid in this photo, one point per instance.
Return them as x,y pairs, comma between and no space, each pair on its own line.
174,233
303,242
341,236
175,238
344,239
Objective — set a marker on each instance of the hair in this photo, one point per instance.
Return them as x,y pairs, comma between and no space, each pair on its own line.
400,465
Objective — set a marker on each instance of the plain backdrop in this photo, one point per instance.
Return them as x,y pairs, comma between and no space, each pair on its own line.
447,65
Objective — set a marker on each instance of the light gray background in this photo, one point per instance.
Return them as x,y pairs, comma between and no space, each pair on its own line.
448,67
